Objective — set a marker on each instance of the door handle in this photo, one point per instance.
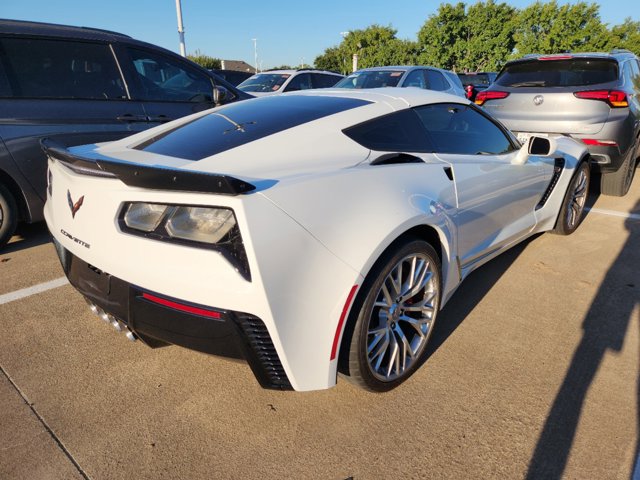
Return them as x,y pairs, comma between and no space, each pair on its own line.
160,118
128,117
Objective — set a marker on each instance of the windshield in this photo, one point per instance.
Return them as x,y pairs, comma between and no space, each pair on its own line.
264,82
371,79
559,73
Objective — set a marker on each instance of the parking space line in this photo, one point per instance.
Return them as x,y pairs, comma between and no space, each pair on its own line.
27,292
613,213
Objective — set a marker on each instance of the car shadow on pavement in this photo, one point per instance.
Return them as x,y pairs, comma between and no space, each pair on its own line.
27,236
469,294
604,329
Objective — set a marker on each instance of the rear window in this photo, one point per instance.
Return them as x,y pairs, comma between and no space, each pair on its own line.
244,122
575,72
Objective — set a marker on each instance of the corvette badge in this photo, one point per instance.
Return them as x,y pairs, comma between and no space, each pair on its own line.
74,207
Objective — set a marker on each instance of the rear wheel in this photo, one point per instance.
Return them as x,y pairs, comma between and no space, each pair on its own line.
617,183
8,215
572,208
394,316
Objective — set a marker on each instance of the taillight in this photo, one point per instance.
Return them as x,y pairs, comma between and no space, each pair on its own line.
599,143
614,98
485,96
181,306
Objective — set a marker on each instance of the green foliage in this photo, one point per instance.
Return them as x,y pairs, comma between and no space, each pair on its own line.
205,60
550,28
626,36
483,36
375,46
476,38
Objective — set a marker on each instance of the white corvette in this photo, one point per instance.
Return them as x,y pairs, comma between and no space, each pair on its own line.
309,233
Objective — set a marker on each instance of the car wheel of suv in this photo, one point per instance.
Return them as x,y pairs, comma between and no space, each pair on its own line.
572,208
394,316
617,183
8,215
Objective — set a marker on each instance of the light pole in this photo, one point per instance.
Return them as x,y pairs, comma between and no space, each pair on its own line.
183,48
255,52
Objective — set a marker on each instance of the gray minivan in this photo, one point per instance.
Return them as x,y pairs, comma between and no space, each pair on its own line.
78,85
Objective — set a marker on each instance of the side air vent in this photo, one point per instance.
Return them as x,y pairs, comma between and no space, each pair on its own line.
395,158
557,170
264,360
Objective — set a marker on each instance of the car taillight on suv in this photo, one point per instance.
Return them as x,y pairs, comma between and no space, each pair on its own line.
614,98
487,95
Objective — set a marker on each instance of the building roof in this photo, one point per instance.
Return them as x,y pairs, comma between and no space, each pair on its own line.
238,65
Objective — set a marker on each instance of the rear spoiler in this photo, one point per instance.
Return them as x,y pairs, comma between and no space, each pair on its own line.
144,176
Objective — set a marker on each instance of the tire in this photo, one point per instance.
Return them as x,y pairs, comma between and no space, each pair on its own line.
8,215
617,183
572,210
382,322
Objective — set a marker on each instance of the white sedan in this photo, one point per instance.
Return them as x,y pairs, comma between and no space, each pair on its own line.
310,233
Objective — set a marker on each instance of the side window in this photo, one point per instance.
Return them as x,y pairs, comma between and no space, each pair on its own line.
323,80
299,82
460,129
5,88
633,66
397,132
415,79
436,81
60,69
166,79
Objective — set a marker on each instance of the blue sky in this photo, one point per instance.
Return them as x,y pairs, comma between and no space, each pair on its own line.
288,32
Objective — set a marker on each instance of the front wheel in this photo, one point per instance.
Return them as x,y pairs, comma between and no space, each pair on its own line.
572,209
394,315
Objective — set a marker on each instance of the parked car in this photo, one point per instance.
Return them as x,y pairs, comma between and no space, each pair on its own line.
82,85
281,81
474,82
430,78
593,97
234,77
310,233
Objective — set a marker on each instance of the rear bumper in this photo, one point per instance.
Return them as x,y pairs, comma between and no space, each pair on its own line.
158,320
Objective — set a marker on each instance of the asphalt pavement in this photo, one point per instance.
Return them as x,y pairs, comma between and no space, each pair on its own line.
533,373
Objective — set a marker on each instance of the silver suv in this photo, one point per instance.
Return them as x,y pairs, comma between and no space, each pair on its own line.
593,97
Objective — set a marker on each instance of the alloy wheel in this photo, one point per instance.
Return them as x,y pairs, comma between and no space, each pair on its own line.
402,317
578,199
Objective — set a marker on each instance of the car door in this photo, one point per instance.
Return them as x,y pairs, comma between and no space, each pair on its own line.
168,87
69,90
496,199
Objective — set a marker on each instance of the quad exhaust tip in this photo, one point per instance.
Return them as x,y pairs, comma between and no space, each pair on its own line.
118,325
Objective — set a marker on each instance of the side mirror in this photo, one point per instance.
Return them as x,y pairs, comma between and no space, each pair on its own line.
219,95
536,146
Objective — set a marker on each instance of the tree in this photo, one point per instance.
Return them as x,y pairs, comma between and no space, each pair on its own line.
205,60
476,38
375,46
550,28
626,36
441,38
